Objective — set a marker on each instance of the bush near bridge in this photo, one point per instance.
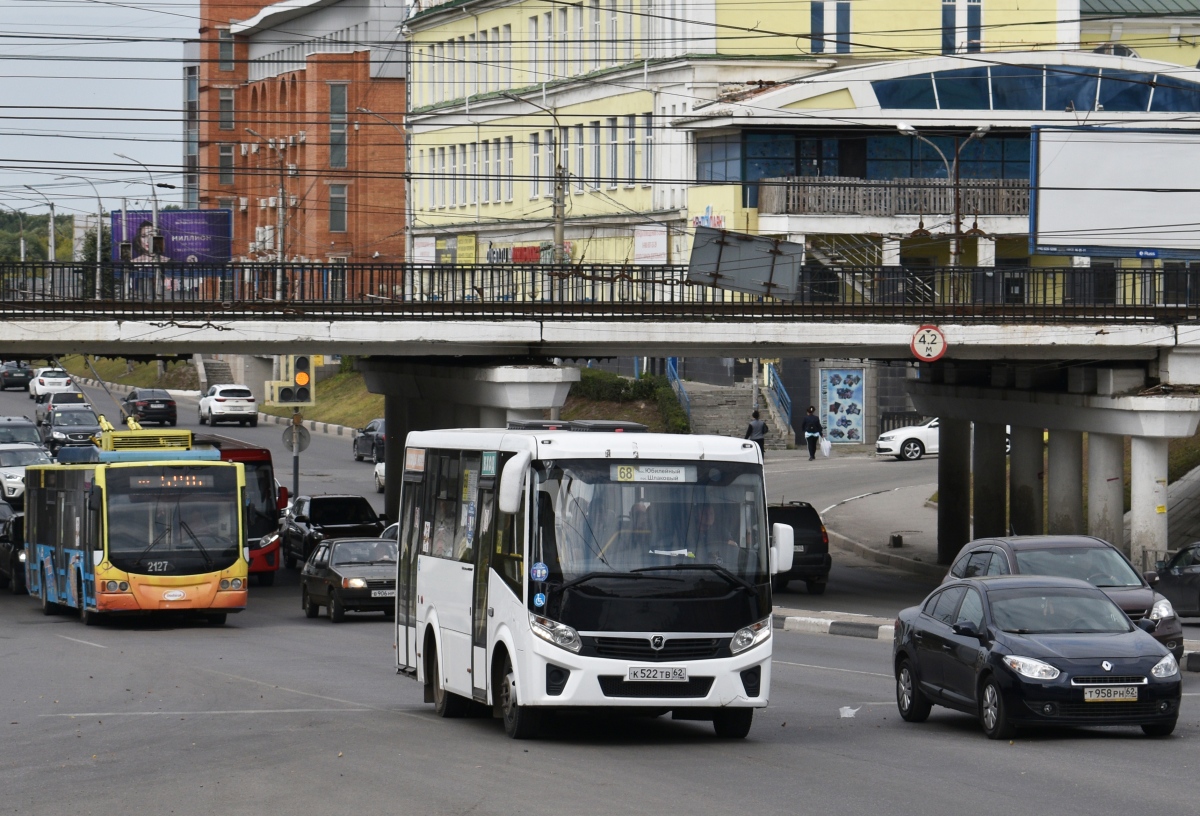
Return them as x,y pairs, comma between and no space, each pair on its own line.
648,400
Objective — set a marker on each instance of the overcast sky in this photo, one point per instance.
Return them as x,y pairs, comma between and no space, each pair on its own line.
81,80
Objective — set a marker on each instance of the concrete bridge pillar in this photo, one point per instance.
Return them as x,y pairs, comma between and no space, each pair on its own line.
1026,495
988,485
1106,488
1065,488
395,415
954,495
1148,483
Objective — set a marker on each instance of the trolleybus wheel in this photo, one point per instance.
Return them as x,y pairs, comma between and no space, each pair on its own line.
217,618
520,722
733,723
47,607
86,616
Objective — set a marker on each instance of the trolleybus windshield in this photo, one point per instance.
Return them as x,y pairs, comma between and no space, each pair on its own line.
172,520
669,520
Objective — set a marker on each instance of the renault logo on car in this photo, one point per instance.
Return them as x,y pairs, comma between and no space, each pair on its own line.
1106,666
656,643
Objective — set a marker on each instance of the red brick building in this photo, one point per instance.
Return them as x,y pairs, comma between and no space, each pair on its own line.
306,96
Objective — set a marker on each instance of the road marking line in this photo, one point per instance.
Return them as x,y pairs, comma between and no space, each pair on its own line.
311,694
197,713
872,493
832,668
84,642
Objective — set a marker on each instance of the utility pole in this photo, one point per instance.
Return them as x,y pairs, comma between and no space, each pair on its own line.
280,211
53,237
99,232
560,184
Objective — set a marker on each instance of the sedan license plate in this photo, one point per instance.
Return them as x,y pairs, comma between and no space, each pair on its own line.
798,548
157,405
1110,694
383,593
669,674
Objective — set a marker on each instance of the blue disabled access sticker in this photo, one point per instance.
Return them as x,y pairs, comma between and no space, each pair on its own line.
539,572
539,599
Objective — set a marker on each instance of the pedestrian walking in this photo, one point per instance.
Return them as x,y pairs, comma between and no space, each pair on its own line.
810,426
756,432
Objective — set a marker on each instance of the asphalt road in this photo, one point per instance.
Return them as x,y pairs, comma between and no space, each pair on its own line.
275,713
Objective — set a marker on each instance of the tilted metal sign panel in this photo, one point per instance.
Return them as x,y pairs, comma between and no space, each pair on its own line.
745,263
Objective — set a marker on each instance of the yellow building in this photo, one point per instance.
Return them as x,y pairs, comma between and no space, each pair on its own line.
661,124
1165,30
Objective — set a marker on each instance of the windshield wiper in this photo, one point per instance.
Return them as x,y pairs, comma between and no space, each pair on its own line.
151,546
587,576
183,525
717,568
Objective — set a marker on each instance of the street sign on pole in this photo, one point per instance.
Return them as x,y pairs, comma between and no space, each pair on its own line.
296,437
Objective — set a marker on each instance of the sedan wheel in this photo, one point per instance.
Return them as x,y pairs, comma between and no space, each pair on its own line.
358,457
992,715
912,450
909,699
311,608
337,612
200,416
378,485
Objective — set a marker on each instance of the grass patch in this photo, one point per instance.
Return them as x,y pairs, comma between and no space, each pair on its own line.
342,399
180,374
648,399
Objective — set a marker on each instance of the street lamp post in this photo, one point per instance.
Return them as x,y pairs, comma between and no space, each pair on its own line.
280,213
21,218
99,229
560,184
952,175
50,253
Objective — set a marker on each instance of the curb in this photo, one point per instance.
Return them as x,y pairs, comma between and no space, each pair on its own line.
125,389
832,626
888,559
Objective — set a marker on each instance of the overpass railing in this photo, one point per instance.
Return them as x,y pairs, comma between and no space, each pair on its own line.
779,394
620,292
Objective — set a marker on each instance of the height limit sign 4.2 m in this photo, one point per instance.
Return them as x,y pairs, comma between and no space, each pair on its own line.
928,344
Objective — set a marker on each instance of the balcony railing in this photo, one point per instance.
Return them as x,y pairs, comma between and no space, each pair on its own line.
841,195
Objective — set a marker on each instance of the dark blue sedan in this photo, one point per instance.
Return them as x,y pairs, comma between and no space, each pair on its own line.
1023,650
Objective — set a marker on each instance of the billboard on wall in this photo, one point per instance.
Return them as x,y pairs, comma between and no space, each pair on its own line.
841,408
190,236
1115,192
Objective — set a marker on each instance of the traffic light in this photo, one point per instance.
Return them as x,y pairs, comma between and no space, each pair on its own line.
298,387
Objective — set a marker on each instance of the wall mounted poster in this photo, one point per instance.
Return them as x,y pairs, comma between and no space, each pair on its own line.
841,404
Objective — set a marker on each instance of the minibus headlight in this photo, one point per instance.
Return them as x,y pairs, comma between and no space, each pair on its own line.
554,632
750,636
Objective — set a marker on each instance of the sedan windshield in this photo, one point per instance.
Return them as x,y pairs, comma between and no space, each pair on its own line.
21,458
605,517
375,551
1045,611
20,433
76,418
1099,566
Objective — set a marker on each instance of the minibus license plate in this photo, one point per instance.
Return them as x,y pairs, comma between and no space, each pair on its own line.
1110,694
669,674
383,593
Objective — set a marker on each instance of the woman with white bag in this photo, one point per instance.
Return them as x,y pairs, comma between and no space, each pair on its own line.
810,426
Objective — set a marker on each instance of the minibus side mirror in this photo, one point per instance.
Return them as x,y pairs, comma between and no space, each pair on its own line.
782,538
512,480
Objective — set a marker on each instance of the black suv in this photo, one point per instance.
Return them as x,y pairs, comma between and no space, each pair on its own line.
369,441
15,375
19,429
810,553
312,519
70,425
12,550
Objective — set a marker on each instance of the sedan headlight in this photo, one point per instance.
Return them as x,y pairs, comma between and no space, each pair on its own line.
1162,610
554,632
750,636
354,583
1167,667
59,435
885,438
21,556
1033,669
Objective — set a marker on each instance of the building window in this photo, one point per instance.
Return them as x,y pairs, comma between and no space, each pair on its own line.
485,153
816,27
718,159
630,150
225,50
485,66
648,150
613,32
535,167
508,167
473,65
548,150
506,54
949,26
337,207
225,164
843,28
419,181
441,179
974,26
596,148
497,174
564,155
474,180
577,11
580,158
337,125
627,40
225,109
614,142
453,176
549,57
462,175
562,46
533,50
596,40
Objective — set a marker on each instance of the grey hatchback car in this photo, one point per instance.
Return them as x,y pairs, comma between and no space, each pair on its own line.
1083,557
